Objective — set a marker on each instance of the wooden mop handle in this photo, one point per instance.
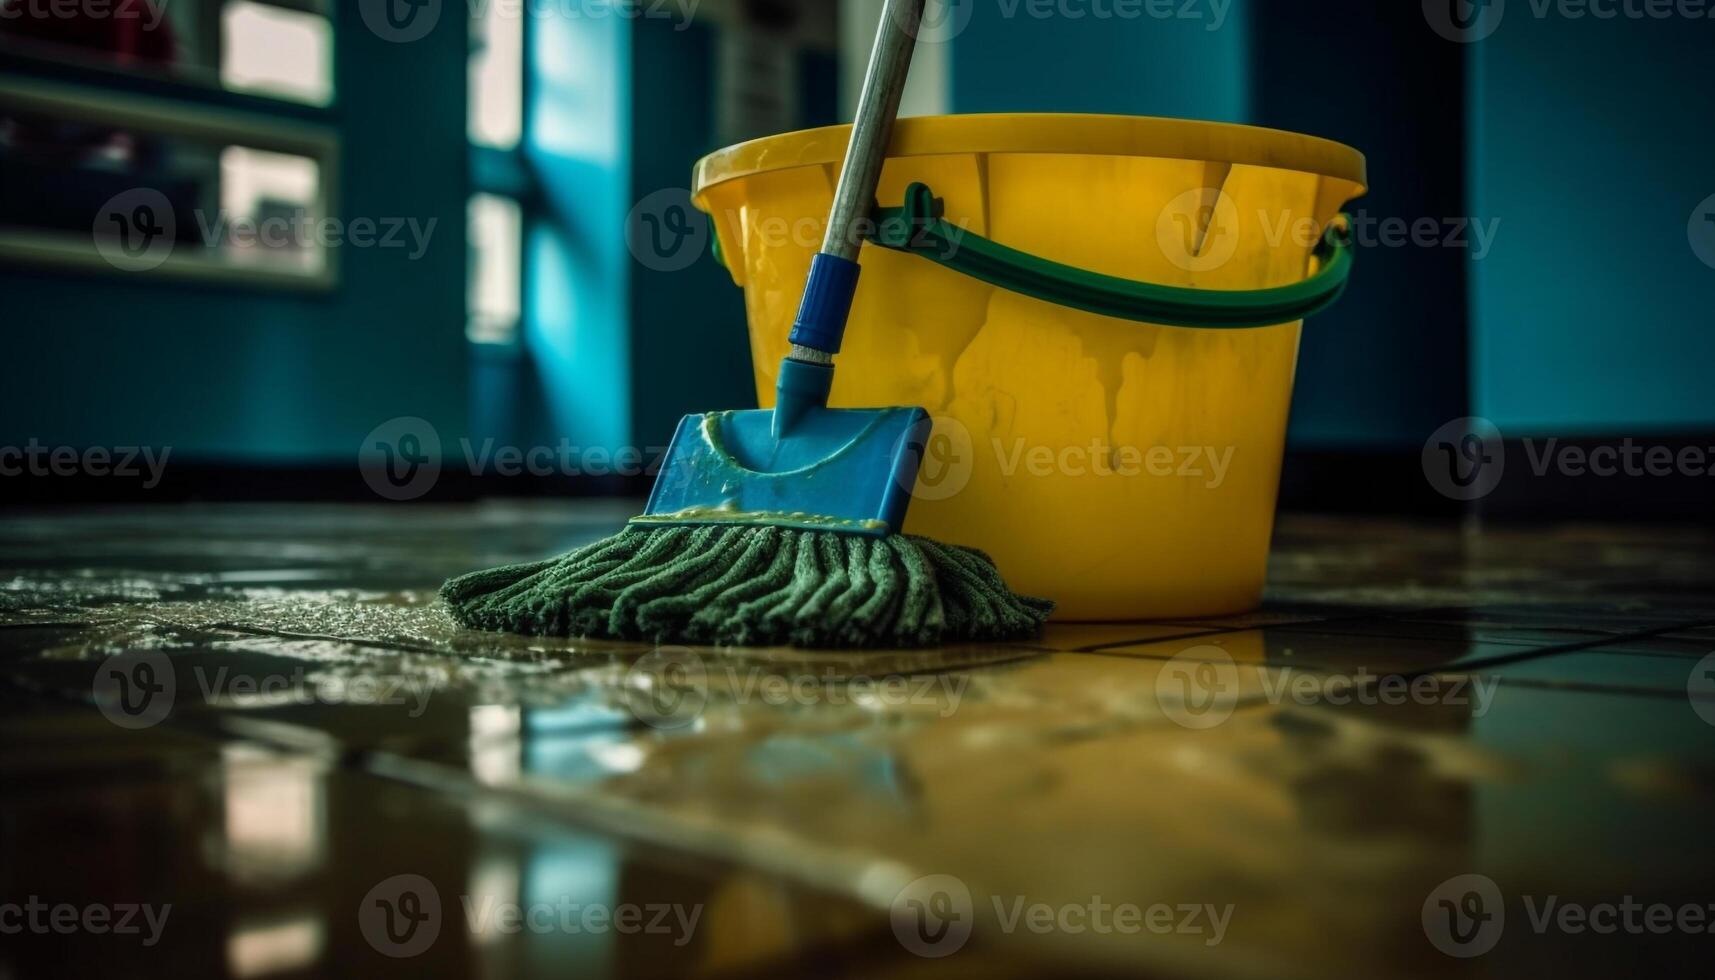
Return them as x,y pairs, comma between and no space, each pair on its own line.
883,84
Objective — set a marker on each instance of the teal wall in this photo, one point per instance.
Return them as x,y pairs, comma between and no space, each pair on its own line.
1590,315
612,352
229,374
689,345
690,350
617,346
576,305
1581,137
1140,65
1388,364
1592,144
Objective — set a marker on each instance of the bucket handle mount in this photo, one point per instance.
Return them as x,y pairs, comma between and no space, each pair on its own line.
917,227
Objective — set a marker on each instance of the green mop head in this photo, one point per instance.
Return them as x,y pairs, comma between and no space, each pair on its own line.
753,585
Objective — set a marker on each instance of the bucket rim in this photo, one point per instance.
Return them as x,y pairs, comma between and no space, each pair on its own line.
1092,134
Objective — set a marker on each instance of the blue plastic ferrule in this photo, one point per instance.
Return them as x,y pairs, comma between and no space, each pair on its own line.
801,387
827,300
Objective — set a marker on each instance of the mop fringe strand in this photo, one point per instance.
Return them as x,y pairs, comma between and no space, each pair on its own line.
753,586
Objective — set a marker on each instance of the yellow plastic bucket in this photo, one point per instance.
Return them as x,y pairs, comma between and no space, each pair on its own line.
1127,470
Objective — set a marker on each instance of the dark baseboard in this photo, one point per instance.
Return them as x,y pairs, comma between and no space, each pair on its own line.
1533,484
1360,482
1376,482
249,483
1553,480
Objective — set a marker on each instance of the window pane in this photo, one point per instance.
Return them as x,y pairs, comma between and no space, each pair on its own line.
495,288
497,76
93,183
269,50
274,48
276,195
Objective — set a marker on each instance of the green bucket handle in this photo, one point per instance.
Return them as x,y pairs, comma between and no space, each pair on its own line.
916,226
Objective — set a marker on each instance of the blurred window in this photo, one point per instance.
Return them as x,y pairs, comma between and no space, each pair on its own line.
496,116
271,50
497,212
132,185
132,155
495,285
280,49
274,199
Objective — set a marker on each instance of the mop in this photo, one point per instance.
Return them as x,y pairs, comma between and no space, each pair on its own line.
780,526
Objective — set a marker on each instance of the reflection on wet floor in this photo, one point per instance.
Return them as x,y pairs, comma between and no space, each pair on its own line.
261,717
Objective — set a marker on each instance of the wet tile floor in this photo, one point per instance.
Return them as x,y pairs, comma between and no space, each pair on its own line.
259,717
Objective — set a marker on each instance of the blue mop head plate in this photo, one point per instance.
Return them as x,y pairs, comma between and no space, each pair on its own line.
837,469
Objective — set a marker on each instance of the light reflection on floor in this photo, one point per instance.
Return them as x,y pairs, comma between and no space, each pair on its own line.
1413,705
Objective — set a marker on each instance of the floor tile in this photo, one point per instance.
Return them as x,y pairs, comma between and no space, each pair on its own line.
267,864
1312,773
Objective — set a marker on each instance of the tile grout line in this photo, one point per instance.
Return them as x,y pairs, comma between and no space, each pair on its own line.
1481,663
1525,653
1101,648
1585,687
